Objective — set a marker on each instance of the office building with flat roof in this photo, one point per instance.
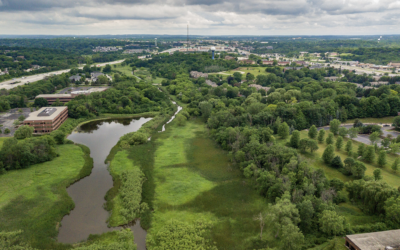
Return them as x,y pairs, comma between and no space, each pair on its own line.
64,98
385,240
52,98
47,119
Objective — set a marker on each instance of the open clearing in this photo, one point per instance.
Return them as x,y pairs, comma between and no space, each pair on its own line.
352,213
189,178
243,70
35,199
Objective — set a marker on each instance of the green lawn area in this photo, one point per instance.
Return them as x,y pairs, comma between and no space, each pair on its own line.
352,213
388,119
35,199
388,175
253,70
190,178
127,70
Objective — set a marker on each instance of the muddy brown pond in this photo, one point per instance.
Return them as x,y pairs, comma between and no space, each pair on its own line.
89,216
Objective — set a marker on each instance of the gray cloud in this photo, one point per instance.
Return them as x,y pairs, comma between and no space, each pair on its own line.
263,17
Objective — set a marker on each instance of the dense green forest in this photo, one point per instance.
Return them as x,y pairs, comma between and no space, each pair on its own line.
253,127
264,138
71,45
17,60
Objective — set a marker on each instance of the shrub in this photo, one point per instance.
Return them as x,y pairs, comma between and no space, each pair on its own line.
58,136
131,193
337,162
180,119
135,138
24,132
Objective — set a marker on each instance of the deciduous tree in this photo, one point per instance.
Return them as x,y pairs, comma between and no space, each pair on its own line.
321,136
334,126
339,143
328,154
330,139
312,133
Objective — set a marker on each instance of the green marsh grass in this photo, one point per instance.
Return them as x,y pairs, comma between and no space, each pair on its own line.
190,178
119,164
35,199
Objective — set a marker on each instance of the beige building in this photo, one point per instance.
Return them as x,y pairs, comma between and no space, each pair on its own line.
386,240
64,98
47,119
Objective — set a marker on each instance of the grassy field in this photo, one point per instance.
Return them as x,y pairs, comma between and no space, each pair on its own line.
127,70
253,70
352,213
388,175
388,119
35,199
189,178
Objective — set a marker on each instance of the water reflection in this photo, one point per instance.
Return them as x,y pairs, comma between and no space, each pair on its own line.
88,216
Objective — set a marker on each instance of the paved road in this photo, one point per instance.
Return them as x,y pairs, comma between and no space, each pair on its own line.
363,70
34,78
365,138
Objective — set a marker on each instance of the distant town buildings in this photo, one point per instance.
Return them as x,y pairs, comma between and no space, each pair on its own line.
284,63
212,84
229,58
136,51
267,62
95,75
196,74
106,49
75,78
258,87
5,72
247,61
332,78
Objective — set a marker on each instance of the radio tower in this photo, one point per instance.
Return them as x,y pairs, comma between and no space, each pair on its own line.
187,38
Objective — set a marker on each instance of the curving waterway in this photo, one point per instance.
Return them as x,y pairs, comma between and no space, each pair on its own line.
89,216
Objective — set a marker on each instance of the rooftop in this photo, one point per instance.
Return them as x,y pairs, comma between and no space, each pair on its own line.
54,96
377,240
45,113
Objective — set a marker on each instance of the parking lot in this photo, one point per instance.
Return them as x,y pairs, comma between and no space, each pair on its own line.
69,89
7,119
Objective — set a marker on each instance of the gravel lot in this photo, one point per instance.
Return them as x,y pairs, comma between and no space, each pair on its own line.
7,119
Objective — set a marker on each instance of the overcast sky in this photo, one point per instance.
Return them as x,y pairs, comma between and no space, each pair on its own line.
206,17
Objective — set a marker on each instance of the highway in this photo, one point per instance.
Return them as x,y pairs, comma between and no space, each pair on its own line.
33,78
